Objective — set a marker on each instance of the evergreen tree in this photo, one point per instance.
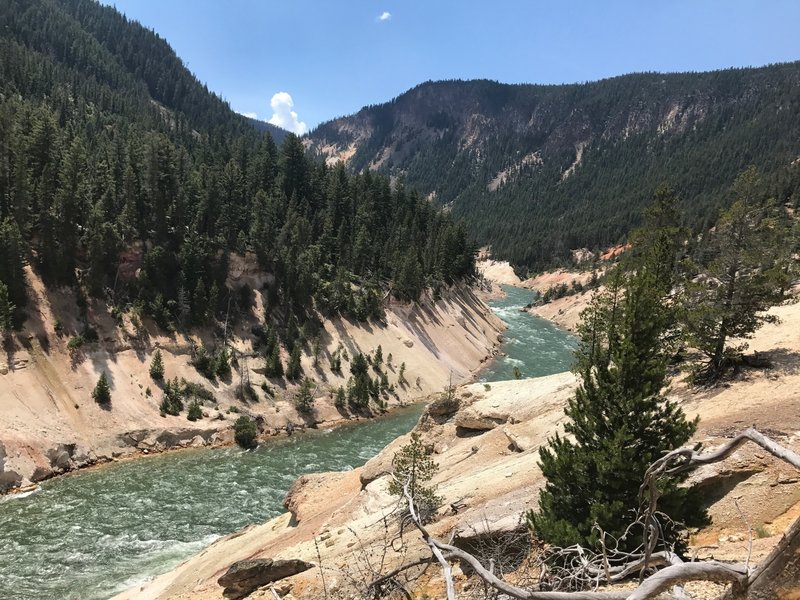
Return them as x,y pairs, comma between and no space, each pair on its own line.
172,401
157,366
245,432
304,399
12,262
274,367
102,392
412,467
293,368
195,412
6,311
741,270
619,420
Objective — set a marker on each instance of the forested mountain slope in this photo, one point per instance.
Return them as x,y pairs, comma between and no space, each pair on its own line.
538,170
121,172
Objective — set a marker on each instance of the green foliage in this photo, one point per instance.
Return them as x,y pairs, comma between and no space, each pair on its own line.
172,400
340,398
194,412
222,363
359,385
293,368
109,143
401,375
203,361
619,420
102,392
516,372
623,129
274,367
75,343
157,366
304,398
6,310
412,467
741,268
245,432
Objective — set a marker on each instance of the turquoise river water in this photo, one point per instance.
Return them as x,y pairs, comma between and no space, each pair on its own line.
98,532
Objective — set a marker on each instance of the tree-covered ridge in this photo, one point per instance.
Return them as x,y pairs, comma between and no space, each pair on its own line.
538,170
110,149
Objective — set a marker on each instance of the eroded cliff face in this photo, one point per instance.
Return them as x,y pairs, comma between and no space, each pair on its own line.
49,423
485,441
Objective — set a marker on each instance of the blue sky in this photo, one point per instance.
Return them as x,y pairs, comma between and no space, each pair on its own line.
333,57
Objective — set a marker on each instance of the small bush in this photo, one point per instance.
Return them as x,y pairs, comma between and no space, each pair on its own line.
204,363
75,343
195,412
245,432
102,392
304,399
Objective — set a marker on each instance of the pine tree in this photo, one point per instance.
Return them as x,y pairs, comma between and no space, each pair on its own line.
412,467
157,366
304,399
741,271
293,368
102,392
274,367
619,420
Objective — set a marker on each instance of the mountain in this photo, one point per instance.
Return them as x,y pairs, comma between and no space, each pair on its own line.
122,176
276,132
537,170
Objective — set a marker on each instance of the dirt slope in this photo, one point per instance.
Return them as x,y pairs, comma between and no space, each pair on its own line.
49,422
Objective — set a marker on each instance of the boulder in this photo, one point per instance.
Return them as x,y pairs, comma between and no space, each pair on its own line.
245,576
41,473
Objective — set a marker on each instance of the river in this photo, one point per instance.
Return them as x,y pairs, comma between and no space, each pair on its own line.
98,532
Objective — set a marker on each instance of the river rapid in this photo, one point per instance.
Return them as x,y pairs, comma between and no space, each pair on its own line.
95,533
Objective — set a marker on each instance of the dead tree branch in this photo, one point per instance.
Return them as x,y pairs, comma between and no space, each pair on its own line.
611,565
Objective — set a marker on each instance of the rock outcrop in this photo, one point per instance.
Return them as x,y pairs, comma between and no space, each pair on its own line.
246,576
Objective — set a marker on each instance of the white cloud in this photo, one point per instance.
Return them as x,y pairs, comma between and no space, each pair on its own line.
283,116
249,115
385,16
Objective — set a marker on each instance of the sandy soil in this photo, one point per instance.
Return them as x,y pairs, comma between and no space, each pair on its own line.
46,407
499,272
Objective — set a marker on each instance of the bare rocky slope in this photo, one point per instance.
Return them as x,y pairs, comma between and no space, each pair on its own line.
49,423
485,443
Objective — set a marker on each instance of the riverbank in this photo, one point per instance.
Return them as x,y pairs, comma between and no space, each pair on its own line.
486,446
49,424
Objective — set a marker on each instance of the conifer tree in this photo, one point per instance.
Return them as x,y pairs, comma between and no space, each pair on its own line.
304,399
740,272
157,366
619,420
102,392
293,368
274,366
412,467
6,311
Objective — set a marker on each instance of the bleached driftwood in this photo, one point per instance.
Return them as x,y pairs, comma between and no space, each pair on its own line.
611,566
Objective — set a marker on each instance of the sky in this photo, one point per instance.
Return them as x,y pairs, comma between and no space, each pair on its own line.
298,63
